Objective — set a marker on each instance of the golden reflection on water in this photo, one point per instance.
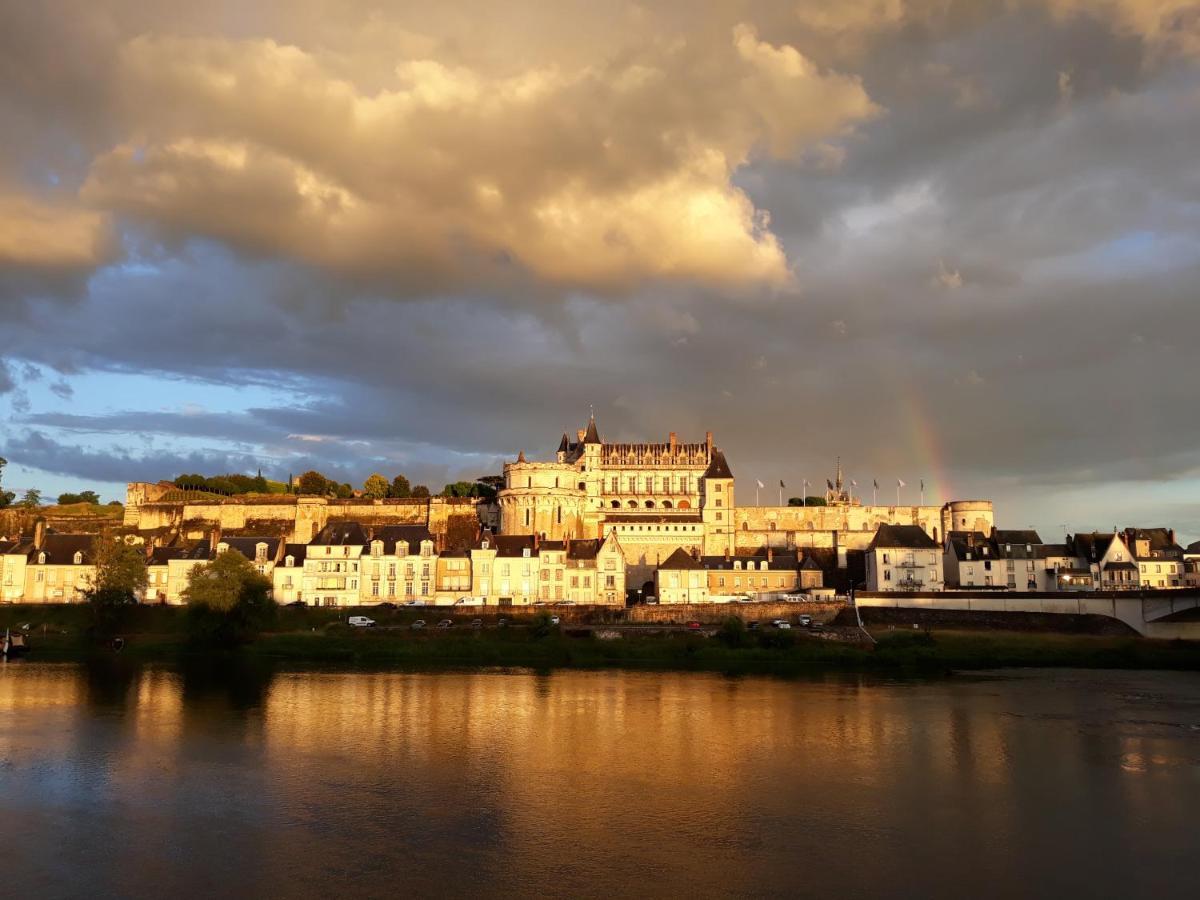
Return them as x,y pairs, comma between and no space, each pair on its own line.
525,778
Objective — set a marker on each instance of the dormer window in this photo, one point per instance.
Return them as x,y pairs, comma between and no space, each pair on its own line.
290,562
402,548
42,558
377,548
737,564
78,557
484,545
1028,548
222,547
1008,548
426,548
525,553
260,552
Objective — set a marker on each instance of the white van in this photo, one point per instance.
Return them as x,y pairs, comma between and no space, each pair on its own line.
360,622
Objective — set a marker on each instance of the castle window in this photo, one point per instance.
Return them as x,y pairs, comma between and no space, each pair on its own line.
616,504
560,515
526,518
649,504
745,526
632,504
666,504
583,485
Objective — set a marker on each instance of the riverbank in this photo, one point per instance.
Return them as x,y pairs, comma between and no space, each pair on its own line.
320,637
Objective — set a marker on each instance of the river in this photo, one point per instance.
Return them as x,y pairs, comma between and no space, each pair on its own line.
127,781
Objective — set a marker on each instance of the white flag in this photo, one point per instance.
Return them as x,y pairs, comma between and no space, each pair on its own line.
853,483
900,483
760,484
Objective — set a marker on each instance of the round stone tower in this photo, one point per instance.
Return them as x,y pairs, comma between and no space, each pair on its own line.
968,515
542,498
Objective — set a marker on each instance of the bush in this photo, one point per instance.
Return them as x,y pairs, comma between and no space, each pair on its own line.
732,632
229,602
777,639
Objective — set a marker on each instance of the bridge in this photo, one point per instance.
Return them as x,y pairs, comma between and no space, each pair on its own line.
1165,614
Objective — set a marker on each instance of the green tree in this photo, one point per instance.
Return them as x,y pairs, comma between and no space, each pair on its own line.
312,482
376,486
228,601
342,491
490,485
116,584
32,499
400,489
420,491
6,497
806,501
460,489
81,497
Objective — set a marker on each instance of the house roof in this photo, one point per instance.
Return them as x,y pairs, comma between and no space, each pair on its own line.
515,544
8,546
247,545
780,561
717,466
584,549
1161,540
1120,566
296,551
1016,536
60,549
393,534
341,533
1193,547
680,559
906,536
960,544
1092,545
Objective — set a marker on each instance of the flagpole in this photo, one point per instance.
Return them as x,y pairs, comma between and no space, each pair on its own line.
897,491
922,491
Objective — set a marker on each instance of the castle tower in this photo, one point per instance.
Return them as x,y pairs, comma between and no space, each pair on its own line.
717,505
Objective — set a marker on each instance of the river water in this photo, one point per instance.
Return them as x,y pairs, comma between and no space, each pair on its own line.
126,781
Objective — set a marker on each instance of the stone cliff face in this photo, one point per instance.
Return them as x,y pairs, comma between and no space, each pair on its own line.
78,519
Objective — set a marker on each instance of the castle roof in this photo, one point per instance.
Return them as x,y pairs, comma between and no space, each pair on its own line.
591,436
565,444
717,466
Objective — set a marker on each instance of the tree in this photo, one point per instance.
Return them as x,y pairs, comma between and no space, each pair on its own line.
490,485
6,497
807,501
120,567
119,578
312,482
32,499
342,491
460,489
376,486
81,497
420,491
228,600
400,489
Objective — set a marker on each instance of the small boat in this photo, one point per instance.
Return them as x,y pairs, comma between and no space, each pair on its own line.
14,644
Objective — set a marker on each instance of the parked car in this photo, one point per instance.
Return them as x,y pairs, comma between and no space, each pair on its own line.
417,625
445,623
477,623
414,603
554,620
792,598
805,621
782,624
386,604
651,601
361,622
693,626
502,622
297,603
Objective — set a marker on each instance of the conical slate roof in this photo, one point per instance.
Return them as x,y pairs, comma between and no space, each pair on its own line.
591,436
717,467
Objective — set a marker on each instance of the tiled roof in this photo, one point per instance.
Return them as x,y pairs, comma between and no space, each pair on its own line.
341,533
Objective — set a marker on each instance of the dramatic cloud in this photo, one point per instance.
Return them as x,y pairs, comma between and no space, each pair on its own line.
948,240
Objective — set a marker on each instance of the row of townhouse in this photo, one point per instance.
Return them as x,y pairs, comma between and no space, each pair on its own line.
47,567
1133,559
685,577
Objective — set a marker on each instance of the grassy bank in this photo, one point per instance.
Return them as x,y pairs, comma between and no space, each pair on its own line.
320,637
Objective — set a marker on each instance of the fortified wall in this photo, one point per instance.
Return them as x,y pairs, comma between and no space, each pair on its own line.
163,507
851,527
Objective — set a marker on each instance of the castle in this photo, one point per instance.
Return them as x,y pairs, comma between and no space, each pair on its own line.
662,497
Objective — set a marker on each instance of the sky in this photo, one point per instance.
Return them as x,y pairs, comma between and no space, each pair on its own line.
950,242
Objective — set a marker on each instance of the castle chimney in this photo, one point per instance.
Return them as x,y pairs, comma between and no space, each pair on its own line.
672,440
39,533
1171,535
726,553
971,539
708,440
770,555
537,540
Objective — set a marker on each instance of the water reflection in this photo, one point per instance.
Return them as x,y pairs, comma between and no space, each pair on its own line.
225,777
